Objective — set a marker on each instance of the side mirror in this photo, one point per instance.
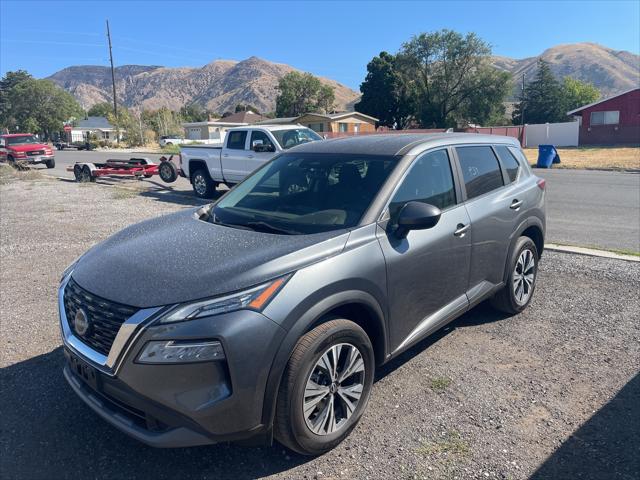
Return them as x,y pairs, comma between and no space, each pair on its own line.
417,216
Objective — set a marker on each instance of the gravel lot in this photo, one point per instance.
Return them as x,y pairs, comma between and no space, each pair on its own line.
551,393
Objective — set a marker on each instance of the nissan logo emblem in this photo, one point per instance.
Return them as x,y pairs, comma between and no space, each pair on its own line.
81,322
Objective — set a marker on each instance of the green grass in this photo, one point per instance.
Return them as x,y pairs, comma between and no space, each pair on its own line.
171,149
452,443
439,384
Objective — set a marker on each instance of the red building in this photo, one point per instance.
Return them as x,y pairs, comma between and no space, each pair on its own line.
613,121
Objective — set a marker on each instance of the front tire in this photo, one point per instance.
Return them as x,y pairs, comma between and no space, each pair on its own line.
203,186
51,163
325,387
521,282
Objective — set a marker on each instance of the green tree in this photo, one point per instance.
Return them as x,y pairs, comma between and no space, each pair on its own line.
246,108
300,93
193,113
453,79
102,109
40,106
576,94
385,93
542,99
10,80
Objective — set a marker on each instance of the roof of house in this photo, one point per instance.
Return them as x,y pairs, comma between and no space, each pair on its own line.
572,112
339,115
243,117
98,123
278,121
396,143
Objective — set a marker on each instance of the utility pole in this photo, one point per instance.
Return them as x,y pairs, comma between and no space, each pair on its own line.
522,102
113,83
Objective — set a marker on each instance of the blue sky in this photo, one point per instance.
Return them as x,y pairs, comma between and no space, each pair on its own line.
332,39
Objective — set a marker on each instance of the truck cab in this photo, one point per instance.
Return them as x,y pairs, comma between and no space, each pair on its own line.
244,150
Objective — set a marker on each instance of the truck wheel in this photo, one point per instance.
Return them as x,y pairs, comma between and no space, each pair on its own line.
51,163
325,387
168,172
521,282
203,186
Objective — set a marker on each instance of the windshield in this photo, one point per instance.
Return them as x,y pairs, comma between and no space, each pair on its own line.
305,193
295,136
21,140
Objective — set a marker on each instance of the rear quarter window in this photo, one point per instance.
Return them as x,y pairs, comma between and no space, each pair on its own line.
480,170
509,162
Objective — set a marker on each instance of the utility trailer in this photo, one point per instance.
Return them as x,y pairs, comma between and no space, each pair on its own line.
139,168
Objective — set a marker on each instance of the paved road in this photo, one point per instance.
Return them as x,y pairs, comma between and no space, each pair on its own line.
593,208
586,208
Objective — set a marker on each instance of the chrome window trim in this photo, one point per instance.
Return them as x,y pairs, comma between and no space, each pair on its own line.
106,364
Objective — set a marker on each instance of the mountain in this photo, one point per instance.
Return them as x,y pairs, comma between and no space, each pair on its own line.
610,71
219,85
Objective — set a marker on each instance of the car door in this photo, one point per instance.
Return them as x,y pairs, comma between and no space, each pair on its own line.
234,156
257,159
427,271
490,206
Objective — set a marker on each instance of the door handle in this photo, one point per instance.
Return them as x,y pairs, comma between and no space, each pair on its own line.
461,229
250,156
516,204
225,155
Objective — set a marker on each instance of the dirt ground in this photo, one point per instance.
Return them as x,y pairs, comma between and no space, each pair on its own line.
617,158
552,393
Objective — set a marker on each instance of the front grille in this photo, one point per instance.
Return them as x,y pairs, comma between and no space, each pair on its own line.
36,152
105,317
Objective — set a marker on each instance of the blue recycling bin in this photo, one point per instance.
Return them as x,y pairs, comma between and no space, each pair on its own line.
547,156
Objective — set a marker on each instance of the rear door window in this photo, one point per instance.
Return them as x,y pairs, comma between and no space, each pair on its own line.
429,181
509,162
237,140
480,170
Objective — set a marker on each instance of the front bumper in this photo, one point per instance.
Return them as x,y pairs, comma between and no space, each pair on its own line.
35,159
179,405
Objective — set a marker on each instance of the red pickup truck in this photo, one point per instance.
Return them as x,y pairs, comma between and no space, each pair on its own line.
25,147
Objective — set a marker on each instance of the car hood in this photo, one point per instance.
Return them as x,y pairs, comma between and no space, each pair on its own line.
28,147
178,258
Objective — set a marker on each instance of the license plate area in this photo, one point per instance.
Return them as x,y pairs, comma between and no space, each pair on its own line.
88,374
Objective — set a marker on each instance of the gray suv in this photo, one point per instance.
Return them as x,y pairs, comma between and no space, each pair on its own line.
266,313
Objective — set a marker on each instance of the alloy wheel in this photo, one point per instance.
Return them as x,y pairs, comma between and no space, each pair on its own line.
200,184
333,389
524,275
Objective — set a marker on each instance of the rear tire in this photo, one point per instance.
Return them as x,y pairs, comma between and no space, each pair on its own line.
316,408
523,272
202,184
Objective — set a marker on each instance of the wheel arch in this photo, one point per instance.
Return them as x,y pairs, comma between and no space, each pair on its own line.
197,164
358,306
534,229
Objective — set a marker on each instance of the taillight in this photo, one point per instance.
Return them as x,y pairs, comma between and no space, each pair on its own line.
541,183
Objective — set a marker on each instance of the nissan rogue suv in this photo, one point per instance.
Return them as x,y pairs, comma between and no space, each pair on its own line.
266,313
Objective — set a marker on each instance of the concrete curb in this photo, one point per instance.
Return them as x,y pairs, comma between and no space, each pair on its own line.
592,252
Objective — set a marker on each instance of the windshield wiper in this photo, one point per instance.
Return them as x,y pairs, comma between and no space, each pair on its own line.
268,228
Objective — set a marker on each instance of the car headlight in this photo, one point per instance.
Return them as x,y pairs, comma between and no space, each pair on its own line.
255,298
181,351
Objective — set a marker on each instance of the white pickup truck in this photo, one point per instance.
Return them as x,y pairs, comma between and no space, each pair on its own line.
244,150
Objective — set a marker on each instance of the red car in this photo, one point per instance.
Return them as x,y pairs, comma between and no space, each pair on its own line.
25,147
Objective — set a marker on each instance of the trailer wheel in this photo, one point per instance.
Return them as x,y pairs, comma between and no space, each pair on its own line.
83,174
168,172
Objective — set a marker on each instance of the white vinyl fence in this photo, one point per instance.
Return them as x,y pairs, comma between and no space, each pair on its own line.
557,134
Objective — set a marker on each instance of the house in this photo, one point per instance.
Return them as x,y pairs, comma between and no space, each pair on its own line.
330,123
612,121
98,126
213,131
344,122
